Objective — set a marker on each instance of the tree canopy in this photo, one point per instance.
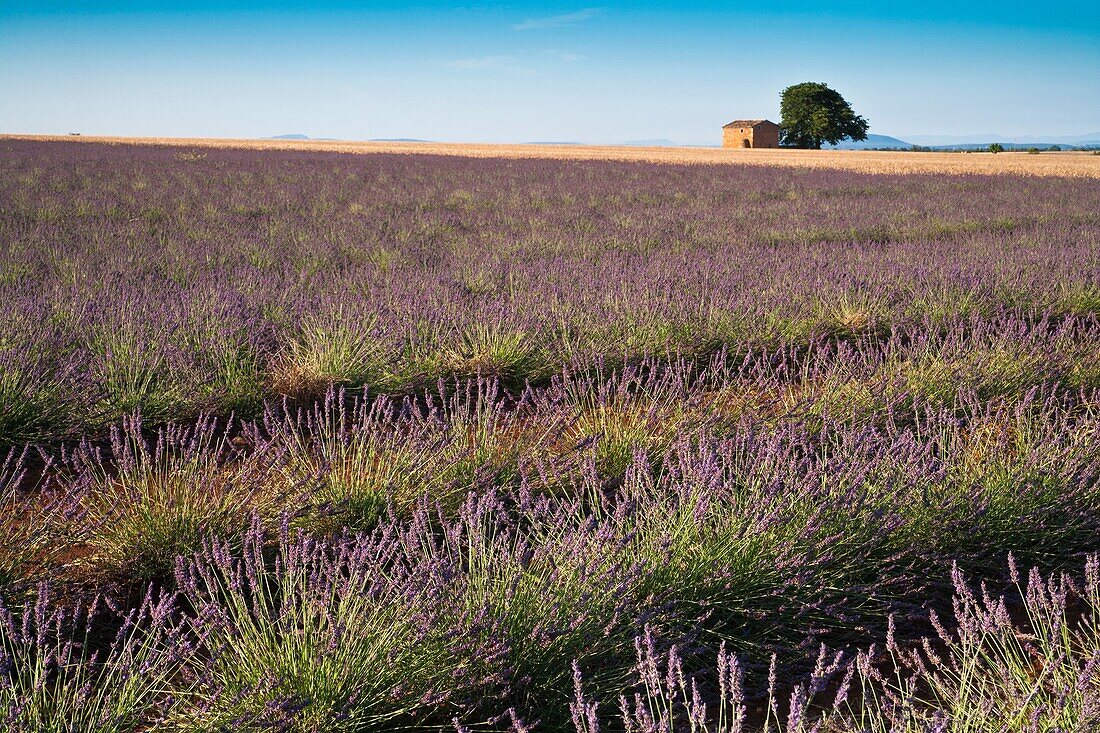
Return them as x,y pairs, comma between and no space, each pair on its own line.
814,114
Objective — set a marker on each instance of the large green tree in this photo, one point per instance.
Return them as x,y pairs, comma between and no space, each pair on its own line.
814,114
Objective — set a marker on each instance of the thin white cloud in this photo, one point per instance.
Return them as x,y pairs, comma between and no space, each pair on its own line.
556,21
484,62
490,63
567,57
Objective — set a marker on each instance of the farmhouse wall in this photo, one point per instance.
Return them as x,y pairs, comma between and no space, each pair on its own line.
766,135
761,135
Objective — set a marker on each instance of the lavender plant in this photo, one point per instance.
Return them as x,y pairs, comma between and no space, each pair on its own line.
31,525
360,460
157,499
991,673
342,352
60,671
331,637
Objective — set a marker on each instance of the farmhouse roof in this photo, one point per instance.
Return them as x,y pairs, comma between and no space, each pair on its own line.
747,123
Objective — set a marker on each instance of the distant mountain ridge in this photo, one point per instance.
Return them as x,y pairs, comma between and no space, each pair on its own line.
872,142
298,136
969,142
1091,138
1044,145
657,142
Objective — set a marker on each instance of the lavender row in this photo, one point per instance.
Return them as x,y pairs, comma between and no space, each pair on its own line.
409,627
1014,417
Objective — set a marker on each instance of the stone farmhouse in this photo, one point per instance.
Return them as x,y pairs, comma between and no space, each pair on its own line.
750,134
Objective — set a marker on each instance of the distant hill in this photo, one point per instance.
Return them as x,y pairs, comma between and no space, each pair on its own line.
1020,146
872,142
657,142
973,142
981,140
300,136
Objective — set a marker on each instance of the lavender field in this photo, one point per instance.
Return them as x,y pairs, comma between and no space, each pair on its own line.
303,441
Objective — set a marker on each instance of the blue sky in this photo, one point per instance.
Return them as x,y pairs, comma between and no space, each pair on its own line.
588,71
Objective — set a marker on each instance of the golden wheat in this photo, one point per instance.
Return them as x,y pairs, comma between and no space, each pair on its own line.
1074,164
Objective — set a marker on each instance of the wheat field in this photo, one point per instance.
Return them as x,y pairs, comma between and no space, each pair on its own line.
1071,164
